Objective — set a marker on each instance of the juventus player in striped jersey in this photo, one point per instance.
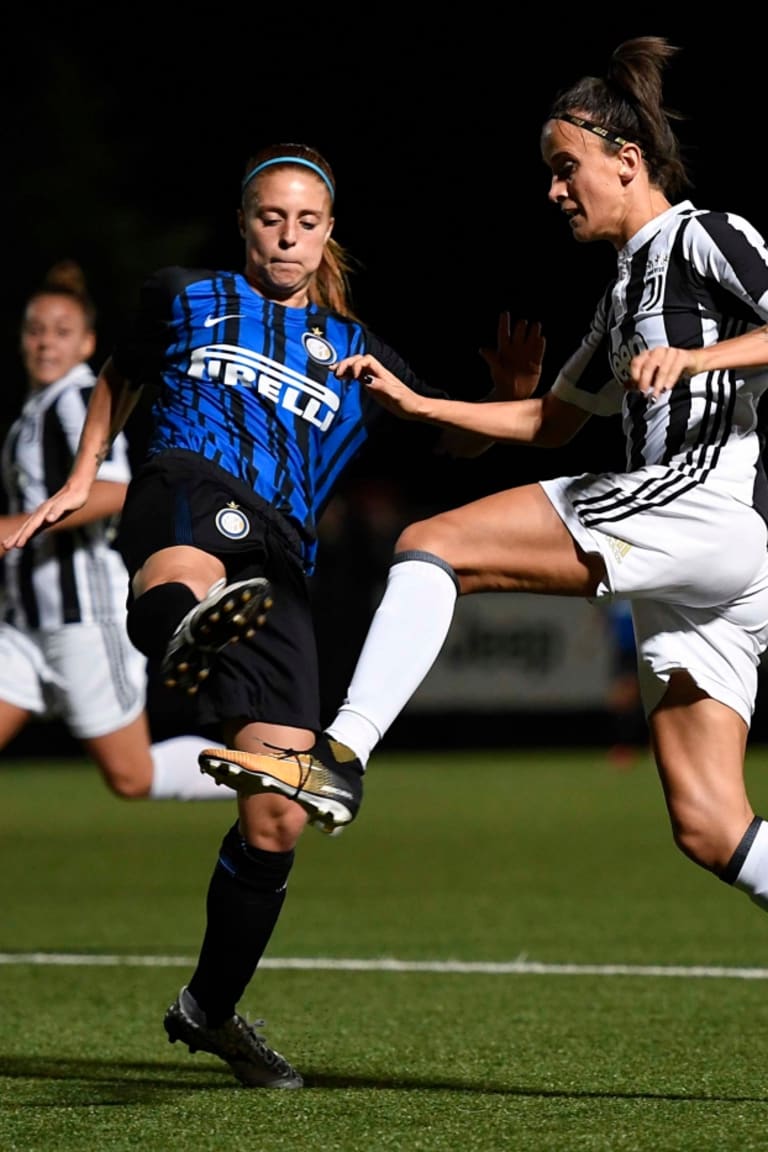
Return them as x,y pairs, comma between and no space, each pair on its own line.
251,431
64,647
678,345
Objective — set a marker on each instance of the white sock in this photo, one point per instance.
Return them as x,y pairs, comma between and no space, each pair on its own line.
177,775
753,877
404,640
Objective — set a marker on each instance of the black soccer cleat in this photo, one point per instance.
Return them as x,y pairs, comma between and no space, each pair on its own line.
230,612
235,1041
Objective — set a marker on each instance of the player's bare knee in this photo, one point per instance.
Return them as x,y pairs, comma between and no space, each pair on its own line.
270,822
706,845
429,536
128,788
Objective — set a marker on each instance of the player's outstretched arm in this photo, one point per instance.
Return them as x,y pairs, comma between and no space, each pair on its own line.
112,401
544,420
388,389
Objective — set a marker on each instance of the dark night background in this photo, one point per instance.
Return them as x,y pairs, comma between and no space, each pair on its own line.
127,129
126,141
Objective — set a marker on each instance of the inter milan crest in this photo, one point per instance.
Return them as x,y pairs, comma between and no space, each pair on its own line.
232,522
317,347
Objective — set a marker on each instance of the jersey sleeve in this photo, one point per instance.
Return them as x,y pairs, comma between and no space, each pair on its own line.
726,250
400,368
582,380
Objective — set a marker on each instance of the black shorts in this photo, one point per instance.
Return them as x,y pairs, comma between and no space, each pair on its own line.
180,498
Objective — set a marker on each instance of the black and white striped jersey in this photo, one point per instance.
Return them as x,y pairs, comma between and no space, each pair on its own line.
688,278
62,577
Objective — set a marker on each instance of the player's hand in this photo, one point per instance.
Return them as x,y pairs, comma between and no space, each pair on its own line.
67,499
387,389
657,370
515,363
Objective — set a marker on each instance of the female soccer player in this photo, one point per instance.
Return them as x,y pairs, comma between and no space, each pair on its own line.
681,532
64,648
252,430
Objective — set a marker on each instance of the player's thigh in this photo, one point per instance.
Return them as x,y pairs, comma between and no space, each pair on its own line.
510,541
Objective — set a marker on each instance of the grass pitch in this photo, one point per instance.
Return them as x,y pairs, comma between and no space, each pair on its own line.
504,952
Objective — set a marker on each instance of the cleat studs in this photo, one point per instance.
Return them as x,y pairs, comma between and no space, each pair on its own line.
230,620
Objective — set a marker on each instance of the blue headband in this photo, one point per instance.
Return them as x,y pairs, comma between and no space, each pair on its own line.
288,160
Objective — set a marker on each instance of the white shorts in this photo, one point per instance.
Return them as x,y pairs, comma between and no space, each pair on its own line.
696,571
88,675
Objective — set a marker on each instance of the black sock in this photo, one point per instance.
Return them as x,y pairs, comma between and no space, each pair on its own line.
245,898
154,617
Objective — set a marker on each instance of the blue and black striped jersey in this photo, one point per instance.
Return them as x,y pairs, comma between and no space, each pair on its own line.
246,383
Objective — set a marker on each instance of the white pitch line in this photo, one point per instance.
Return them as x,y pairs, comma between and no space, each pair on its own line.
321,964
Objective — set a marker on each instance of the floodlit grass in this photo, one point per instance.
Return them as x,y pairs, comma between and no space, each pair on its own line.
545,858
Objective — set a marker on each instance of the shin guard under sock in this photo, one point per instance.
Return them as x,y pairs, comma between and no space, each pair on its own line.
154,616
245,898
404,639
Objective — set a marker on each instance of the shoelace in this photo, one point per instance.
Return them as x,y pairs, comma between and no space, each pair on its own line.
292,754
304,773
267,1054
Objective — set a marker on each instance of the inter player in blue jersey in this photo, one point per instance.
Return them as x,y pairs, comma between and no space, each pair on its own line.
676,345
251,431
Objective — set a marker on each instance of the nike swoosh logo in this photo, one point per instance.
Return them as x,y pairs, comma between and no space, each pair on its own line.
211,320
